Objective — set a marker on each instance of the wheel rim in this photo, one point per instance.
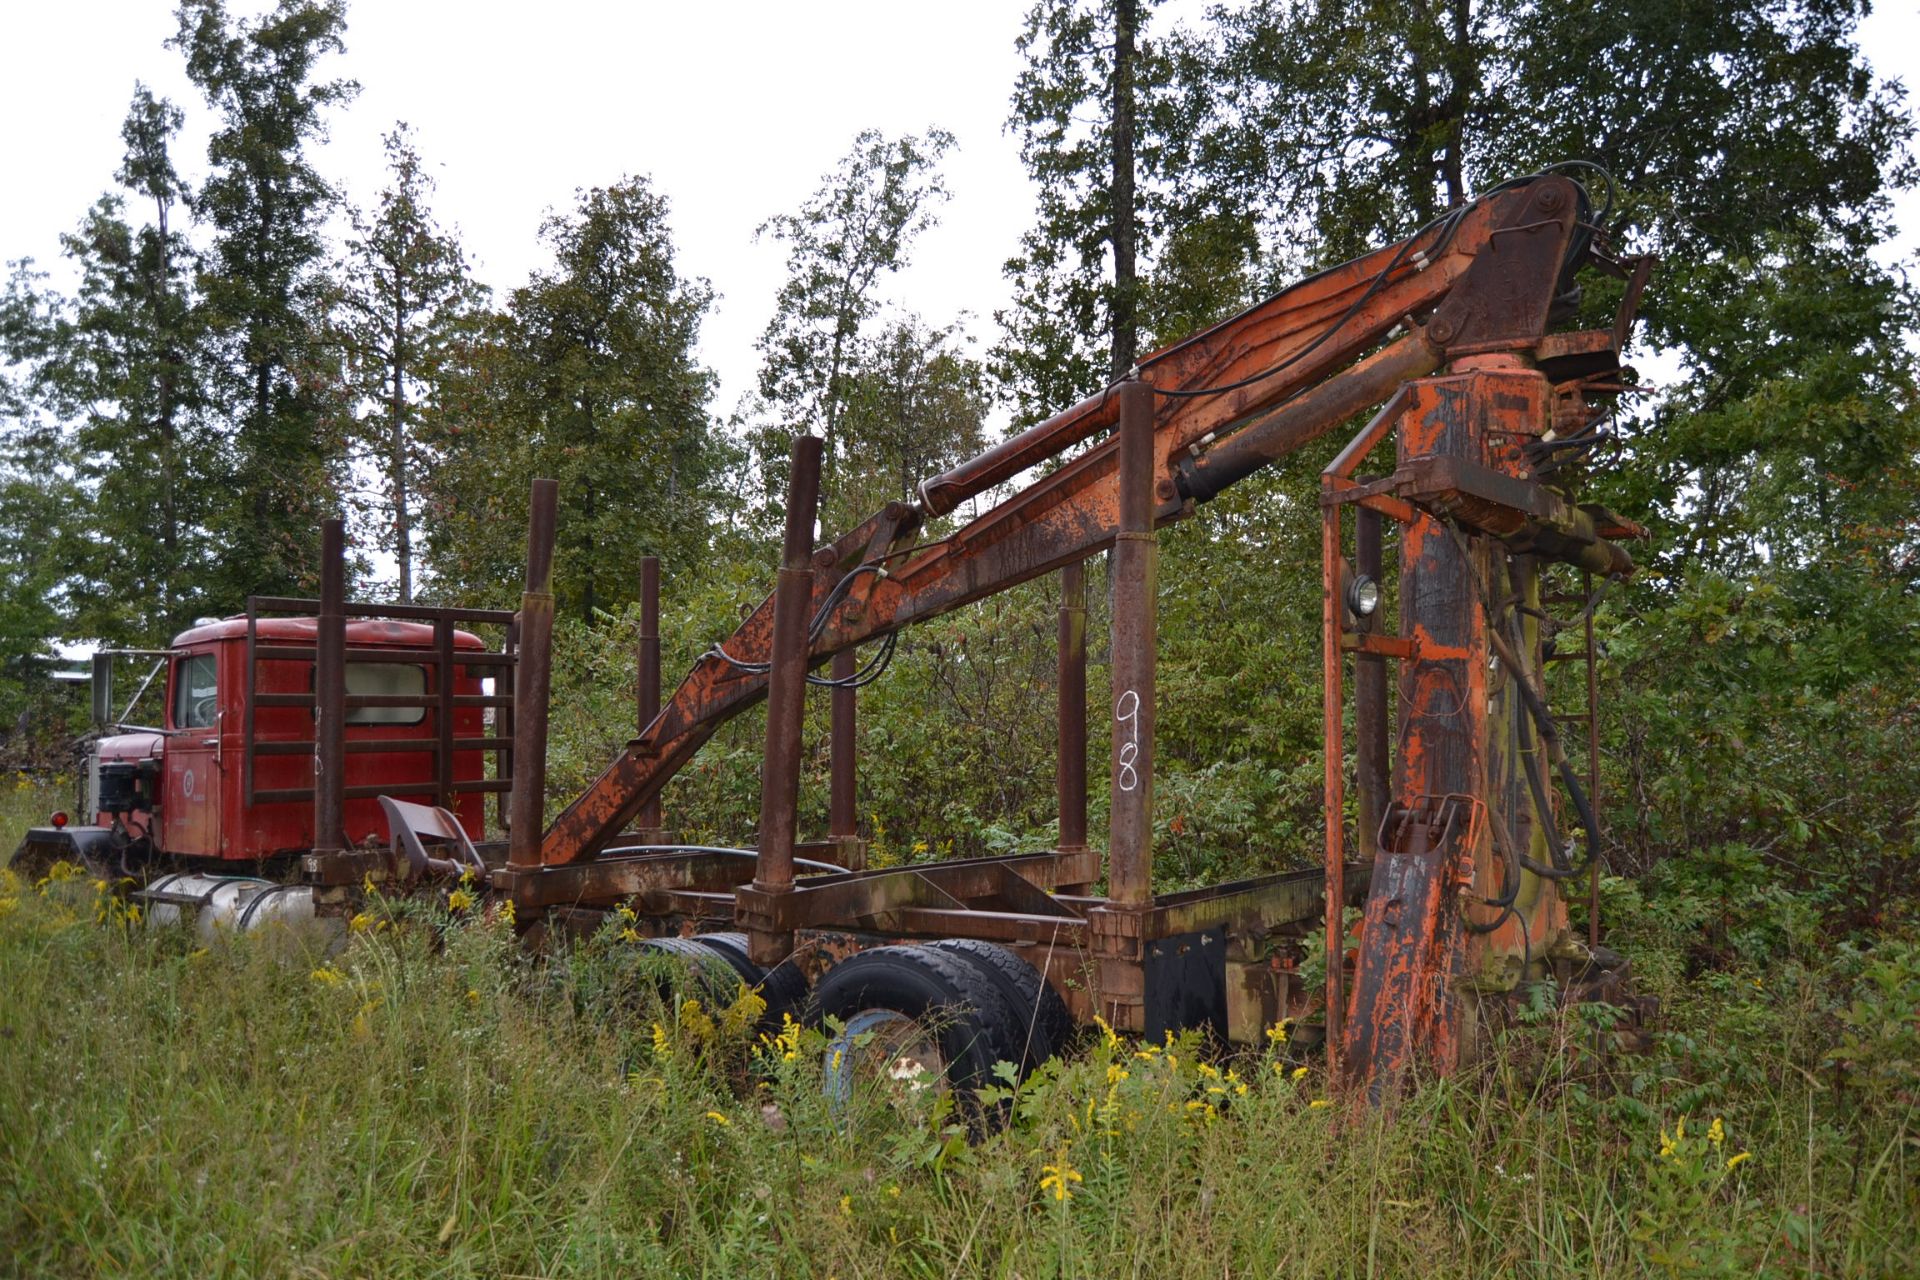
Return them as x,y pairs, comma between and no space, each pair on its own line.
888,1054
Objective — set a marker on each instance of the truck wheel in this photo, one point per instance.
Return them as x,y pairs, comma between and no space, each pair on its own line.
914,1021
1045,1026
710,974
783,987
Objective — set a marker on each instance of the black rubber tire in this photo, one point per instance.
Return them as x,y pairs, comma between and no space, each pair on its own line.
970,1018
714,974
1044,1025
783,987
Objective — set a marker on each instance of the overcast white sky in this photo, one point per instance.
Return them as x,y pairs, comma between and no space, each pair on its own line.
734,109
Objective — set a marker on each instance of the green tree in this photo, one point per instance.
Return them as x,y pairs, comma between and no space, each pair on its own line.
915,404
1755,151
406,296
265,293
126,370
588,377
856,228
37,499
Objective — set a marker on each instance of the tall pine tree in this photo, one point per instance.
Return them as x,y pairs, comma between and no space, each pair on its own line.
856,228
265,294
589,377
406,297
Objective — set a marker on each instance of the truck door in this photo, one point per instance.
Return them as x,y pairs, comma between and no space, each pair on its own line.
190,812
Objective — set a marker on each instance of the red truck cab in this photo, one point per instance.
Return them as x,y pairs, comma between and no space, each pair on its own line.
228,775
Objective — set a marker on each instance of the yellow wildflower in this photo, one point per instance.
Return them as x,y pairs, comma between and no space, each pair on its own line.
662,1042
461,900
894,1191
506,915
1299,1073
1208,1070
696,1021
1666,1145
361,922
1059,1176
1717,1132
718,1119
1116,1073
1734,1162
1317,1103
1279,1031
466,875
328,976
846,1206
473,995
1107,1032
628,935
787,1042
624,912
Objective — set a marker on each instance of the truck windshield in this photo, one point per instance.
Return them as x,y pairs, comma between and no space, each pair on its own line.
196,692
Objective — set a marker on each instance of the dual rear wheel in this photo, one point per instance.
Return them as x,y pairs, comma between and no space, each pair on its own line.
908,1021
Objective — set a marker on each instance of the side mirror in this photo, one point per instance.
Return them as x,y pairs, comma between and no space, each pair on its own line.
102,689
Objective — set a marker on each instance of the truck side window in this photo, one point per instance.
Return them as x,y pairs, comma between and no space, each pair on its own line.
388,679
196,692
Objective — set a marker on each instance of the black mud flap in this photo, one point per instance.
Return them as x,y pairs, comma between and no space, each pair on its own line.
1186,984
41,847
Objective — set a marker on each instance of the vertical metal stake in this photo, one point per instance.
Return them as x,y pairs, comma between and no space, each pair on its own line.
646,693
533,681
1335,776
330,693
1130,844
1071,772
787,680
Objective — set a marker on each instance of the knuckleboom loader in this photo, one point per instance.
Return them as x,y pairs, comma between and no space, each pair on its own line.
1455,820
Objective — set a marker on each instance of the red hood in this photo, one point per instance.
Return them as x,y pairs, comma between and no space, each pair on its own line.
129,746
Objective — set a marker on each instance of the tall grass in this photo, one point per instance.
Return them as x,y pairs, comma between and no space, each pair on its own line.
432,1101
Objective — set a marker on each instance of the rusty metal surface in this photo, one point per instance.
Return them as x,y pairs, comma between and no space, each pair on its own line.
646,677
786,701
330,692
1370,692
843,816
532,681
1134,639
1070,777
1291,341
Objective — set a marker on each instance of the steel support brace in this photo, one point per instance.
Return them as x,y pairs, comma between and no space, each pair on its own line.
330,693
787,697
532,682
1071,771
646,684
1116,926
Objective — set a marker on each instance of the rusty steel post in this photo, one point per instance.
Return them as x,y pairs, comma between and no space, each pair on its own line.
532,682
1130,841
1333,778
1071,782
842,806
330,693
1593,769
1369,697
646,685
787,684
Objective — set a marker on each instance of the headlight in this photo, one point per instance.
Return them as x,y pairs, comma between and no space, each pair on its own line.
1363,596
